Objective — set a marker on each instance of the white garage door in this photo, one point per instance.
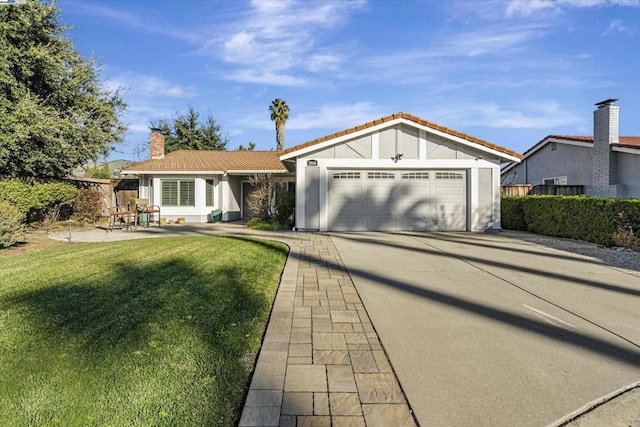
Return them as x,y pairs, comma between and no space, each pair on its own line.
397,200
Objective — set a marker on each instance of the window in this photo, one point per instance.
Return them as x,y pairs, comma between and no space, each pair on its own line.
415,175
556,180
448,175
380,175
209,189
177,192
346,175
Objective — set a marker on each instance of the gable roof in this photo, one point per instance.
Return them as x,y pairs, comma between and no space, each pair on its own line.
212,161
407,117
629,142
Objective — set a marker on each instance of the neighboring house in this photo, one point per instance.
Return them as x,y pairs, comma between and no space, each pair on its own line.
192,183
395,173
606,164
398,173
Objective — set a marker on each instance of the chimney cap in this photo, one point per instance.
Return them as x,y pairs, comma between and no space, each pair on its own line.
606,102
155,129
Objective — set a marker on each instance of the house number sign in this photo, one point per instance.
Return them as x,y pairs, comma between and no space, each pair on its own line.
312,163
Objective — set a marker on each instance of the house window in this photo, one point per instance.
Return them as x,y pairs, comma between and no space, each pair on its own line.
346,175
448,175
380,175
415,175
556,180
177,192
209,188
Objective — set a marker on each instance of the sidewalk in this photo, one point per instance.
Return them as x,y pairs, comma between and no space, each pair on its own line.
321,362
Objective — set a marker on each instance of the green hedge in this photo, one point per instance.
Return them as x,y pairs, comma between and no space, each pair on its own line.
38,200
593,219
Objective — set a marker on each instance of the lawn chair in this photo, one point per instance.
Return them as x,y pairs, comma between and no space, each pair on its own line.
146,213
120,217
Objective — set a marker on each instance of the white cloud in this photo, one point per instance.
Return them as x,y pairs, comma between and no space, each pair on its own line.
543,115
328,116
266,78
283,38
617,26
337,116
149,86
142,23
527,7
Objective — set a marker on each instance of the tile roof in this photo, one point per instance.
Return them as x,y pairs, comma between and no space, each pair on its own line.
212,160
624,141
405,116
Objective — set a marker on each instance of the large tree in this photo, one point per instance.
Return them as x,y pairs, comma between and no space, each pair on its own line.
188,132
279,114
54,112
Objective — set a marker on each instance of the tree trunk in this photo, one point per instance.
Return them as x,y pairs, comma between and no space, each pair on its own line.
280,136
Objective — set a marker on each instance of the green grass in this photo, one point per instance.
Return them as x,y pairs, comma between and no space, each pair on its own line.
147,332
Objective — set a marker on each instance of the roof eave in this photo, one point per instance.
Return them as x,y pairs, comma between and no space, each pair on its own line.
173,172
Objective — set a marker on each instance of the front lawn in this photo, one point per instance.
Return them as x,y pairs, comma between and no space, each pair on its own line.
137,333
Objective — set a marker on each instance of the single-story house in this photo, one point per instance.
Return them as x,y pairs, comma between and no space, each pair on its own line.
606,164
399,172
192,183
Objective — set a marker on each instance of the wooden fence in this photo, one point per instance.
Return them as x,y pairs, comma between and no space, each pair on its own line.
551,190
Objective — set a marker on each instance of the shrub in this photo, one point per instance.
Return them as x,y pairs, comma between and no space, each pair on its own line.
261,197
11,224
593,219
38,200
285,205
513,213
88,204
267,224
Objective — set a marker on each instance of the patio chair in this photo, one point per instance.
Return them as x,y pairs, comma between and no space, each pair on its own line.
120,217
146,213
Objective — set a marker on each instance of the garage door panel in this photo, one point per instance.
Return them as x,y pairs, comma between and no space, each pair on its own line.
415,208
383,222
349,190
419,203
351,208
415,190
449,191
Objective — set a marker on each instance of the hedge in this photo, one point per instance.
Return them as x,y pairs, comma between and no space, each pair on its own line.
38,200
593,219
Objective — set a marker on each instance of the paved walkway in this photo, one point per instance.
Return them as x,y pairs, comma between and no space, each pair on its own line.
321,362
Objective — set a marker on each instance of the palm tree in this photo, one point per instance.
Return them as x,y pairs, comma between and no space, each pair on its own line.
279,114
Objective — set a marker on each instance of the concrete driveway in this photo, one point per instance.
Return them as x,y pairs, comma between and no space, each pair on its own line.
487,330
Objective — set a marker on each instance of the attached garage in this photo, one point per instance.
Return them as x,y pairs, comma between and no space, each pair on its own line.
397,173
396,200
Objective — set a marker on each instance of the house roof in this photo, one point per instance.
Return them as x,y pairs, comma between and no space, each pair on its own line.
632,142
405,116
212,161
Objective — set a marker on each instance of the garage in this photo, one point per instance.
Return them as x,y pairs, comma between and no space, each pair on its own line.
389,200
398,172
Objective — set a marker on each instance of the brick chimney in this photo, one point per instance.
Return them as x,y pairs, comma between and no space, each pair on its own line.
156,144
605,132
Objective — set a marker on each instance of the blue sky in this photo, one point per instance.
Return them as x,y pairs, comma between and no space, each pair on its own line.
507,71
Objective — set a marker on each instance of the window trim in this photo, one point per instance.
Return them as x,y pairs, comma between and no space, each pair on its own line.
179,182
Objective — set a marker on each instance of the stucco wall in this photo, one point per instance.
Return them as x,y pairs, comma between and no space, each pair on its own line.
571,161
629,173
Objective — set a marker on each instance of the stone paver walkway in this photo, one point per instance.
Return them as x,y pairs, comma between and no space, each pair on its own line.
321,362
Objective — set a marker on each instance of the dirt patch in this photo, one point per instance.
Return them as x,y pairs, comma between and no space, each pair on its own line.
33,240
